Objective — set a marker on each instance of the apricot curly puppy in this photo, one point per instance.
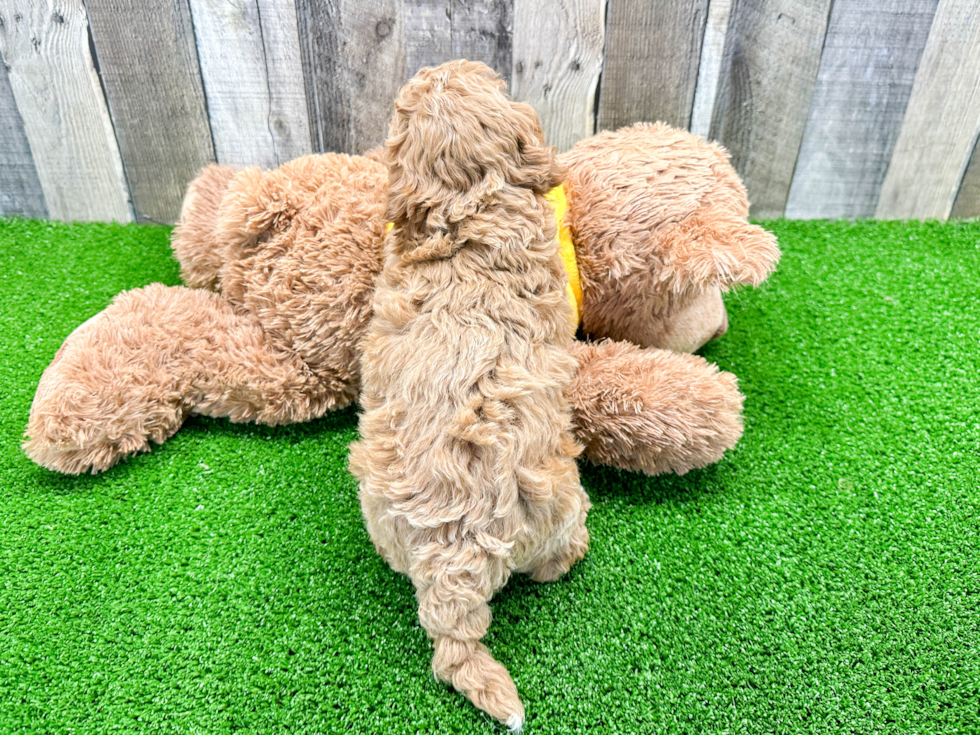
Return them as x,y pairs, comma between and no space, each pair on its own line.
466,462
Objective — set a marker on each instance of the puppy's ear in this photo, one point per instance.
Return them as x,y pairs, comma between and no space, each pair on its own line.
413,156
455,139
442,162
538,166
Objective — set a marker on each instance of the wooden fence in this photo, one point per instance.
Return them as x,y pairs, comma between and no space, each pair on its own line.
830,108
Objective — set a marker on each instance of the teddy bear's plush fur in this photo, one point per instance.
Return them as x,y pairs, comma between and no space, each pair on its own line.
466,460
661,216
278,344
282,267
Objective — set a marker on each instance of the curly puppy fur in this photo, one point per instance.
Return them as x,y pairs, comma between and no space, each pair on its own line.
467,463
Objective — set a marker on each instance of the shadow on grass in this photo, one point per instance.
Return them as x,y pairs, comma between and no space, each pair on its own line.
606,483
335,422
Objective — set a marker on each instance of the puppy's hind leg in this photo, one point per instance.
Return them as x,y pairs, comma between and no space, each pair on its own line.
453,590
570,552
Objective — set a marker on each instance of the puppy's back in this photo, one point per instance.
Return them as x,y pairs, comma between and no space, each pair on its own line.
467,362
466,462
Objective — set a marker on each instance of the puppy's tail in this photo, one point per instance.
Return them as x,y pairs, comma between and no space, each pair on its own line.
453,609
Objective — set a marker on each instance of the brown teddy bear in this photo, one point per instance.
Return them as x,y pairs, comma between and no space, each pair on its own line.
281,268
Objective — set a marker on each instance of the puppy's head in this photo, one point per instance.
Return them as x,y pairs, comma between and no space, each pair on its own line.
456,138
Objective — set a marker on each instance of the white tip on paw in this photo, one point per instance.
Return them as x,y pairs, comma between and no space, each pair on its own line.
515,723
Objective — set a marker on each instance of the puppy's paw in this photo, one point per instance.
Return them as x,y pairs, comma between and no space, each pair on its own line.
565,559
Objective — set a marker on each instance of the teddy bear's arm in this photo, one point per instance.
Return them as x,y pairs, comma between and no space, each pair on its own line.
650,410
132,373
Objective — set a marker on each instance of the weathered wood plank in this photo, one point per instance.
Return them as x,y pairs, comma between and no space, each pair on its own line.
440,30
148,63
869,60
709,70
20,189
428,34
482,32
772,54
651,65
967,202
354,64
557,50
942,119
46,51
253,80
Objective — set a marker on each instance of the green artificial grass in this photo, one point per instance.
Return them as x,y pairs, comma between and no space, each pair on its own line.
824,577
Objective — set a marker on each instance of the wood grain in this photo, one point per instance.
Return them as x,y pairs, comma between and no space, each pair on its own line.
353,64
253,79
772,55
440,30
20,189
148,63
941,122
967,204
482,32
869,60
46,51
709,70
428,34
557,51
651,64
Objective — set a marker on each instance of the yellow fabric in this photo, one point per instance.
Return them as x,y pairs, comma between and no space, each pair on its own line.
565,247
567,250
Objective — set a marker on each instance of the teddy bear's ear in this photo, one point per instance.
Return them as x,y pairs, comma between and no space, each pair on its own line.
714,248
253,202
257,201
376,154
194,239
662,198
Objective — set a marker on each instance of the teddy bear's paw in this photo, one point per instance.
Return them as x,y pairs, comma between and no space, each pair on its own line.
93,406
76,426
653,411
76,459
